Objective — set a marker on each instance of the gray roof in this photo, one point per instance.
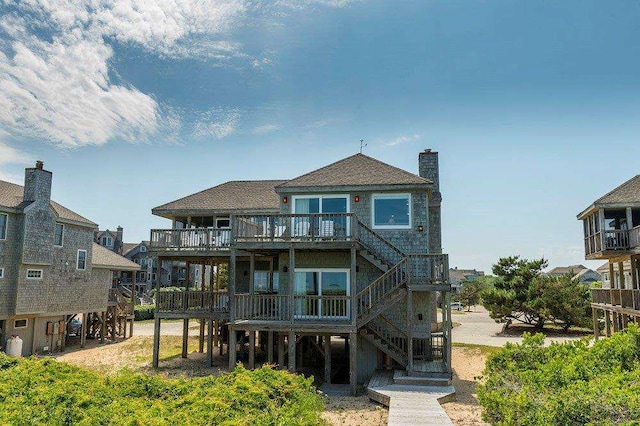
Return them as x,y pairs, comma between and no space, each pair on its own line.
628,192
104,258
11,195
563,270
252,195
127,247
626,265
625,195
357,170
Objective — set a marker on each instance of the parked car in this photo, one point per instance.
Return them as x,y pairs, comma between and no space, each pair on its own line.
75,327
456,306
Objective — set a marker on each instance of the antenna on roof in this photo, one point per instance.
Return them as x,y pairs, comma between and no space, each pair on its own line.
362,145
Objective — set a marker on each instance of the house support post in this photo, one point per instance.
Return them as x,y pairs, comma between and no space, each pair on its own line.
616,322
353,362
292,352
201,337
270,347
103,326
83,336
252,349
326,340
156,342
596,325
607,323
210,343
410,331
185,337
281,350
232,348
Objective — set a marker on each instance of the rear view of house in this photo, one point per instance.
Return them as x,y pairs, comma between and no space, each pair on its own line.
48,268
350,251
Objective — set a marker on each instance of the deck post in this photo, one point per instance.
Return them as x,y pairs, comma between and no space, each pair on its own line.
232,285
292,277
621,272
353,366
612,277
607,323
270,347
156,342
292,352
281,350
625,320
210,343
201,336
252,349
252,270
232,348
616,322
103,326
326,340
83,330
353,285
185,337
410,330
596,326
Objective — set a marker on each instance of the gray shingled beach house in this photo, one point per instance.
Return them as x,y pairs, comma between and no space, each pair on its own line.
51,270
350,252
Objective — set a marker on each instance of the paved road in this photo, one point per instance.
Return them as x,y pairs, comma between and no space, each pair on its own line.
477,327
168,328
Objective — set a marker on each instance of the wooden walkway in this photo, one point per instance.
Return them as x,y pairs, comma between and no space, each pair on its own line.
410,404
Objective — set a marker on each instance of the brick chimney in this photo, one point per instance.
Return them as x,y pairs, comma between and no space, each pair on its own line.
428,168
119,243
37,184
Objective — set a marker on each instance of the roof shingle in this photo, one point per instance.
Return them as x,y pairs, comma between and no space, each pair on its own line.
357,170
229,196
11,195
628,192
104,258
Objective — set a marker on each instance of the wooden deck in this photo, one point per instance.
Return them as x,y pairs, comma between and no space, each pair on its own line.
410,404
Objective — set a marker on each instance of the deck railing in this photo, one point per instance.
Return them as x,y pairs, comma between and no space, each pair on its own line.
191,239
612,240
275,307
293,227
192,301
624,298
428,269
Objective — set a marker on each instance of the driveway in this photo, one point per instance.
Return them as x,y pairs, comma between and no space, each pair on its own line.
478,328
167,328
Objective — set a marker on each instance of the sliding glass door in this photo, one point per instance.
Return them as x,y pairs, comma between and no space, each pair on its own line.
321,293
326,218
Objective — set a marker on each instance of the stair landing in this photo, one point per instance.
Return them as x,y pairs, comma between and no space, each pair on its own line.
410,404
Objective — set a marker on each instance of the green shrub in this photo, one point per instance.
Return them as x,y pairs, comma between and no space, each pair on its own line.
564,384
144,312
49,392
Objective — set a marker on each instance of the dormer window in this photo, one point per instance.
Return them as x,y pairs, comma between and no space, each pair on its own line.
4,219
391,211
107,241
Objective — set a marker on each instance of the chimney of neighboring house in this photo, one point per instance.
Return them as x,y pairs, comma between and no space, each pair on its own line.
428,169
37,184
119,243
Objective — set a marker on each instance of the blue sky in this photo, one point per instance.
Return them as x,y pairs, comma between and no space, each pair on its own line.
533,106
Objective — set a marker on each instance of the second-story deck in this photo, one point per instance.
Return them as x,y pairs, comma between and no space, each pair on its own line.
614,242
616,299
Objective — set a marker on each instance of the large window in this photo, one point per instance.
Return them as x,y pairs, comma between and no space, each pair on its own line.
81,263
391,211
326,215
58,236
4,218
322,293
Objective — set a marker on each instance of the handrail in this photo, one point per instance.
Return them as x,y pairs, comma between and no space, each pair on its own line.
395,277
191,238
428,268
192,300
378,245
293,227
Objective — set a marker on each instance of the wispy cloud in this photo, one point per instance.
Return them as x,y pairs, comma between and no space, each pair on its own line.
403,139
217,122
56,83
265,128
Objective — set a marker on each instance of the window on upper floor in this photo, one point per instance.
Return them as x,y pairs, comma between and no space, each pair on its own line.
20,323
223,222
391,211
34,274
4,219
1,272
81,262
143,249
106,241
58,235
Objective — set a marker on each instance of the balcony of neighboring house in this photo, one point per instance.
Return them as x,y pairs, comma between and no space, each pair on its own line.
611,232
261,231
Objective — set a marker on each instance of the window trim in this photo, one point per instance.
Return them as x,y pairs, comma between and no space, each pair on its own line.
347,273
35,270
226,218
78,260
6,226
106,241
320,197
26,323
391,195
61,238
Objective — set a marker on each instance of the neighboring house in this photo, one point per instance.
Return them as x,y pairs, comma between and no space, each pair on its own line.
48,265
458,276
351,250
612,231
139,253
604,271
110,239
578,272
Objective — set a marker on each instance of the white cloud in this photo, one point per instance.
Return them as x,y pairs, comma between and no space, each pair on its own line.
403,139
56,83
218,123
265,128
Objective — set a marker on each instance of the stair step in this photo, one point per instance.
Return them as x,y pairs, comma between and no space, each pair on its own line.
402,378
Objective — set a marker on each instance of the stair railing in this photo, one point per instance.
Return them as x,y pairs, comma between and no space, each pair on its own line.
390,335
378,246
375,292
